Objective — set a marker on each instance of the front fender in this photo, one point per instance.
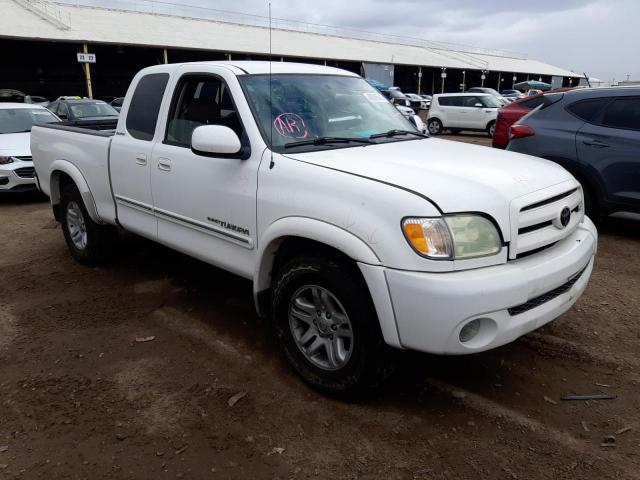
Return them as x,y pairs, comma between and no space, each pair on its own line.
64,166
340,239
317,230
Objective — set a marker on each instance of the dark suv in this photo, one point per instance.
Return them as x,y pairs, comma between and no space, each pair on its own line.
595,135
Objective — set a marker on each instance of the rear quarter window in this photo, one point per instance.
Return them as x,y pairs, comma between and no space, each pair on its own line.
142,116
450,101
589,109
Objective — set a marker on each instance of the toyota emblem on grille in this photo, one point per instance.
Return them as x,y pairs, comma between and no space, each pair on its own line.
565,217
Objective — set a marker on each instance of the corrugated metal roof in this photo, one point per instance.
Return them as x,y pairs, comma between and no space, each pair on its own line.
101,25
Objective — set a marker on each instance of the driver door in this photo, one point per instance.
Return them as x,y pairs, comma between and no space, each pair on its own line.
205,204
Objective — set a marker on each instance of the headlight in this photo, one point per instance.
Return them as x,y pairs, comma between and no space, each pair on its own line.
452,236
5,160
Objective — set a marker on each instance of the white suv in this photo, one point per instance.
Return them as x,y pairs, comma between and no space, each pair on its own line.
463,111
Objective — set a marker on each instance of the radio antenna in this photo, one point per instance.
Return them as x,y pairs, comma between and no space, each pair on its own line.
271,163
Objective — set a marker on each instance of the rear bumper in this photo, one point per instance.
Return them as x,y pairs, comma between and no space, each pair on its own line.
430,309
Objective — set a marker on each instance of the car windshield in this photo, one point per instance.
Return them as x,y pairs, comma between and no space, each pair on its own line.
308,106
18,120
89,109
490,101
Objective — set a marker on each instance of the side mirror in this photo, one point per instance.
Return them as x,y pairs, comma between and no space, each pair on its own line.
215,139
62,116
478,105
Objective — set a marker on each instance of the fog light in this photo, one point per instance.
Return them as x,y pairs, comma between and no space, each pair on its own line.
470,330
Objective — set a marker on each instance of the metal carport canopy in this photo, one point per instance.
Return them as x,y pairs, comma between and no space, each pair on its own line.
102,25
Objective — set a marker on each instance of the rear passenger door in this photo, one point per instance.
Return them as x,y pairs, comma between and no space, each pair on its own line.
610,144
450,107
130,157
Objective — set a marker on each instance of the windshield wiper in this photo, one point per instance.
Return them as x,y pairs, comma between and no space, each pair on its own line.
394,133
326,140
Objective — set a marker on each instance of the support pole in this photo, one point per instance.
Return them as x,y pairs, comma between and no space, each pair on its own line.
499,75
419,80
87,72
165,56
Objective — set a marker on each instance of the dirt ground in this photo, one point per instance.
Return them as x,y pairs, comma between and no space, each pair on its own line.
81,398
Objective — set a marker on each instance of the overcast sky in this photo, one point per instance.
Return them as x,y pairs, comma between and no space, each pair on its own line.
600,37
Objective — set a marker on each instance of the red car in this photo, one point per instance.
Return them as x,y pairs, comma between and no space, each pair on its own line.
510,114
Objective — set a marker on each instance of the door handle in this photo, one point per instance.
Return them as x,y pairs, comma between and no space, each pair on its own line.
595,143
141,159
164,164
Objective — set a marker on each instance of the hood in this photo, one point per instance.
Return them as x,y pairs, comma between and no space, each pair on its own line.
15,144
455,176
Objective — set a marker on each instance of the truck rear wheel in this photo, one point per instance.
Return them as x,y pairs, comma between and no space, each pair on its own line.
88,242
327,325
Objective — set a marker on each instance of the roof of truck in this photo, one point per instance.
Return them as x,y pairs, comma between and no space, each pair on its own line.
262,67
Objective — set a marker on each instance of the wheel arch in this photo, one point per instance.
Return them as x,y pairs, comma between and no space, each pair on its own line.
302,231
290,236
64,173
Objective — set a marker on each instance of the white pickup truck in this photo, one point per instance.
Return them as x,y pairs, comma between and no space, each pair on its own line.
357,231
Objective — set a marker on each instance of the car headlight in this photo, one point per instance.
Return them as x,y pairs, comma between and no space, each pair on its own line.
5,160
452,236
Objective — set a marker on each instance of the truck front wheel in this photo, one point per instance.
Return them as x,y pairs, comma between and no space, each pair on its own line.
88,242
328,327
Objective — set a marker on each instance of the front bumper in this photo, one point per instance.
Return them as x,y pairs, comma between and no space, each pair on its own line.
430,309
14,177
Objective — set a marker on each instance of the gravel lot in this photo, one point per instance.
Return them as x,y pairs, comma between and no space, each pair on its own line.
82,398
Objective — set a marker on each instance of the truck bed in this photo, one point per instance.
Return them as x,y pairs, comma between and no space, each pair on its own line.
80,152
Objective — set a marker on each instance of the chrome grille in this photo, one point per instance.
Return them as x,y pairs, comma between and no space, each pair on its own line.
25,158
536,223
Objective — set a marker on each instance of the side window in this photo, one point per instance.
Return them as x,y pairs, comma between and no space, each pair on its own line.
623,113
446,101
200,100
588,109
470,101
142,116
63,110
53,107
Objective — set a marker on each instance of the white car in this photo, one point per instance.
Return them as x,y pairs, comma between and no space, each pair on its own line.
16,167
357,232
463,111
410,114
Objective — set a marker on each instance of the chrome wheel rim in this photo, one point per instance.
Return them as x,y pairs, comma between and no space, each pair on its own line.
320,327
77,226
434,127
492,129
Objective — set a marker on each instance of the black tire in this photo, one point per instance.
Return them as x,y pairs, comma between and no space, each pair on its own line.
491,128
434,126
369,363
99,240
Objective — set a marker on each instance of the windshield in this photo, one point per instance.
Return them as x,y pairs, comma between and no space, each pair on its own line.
316,106
18,120
86,110
490,101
